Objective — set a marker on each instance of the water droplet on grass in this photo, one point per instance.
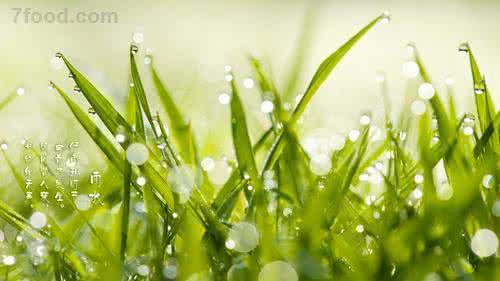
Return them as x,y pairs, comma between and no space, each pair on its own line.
224,98
278,271
244,236
418,107
38,220
248,83
267,106
320,164
488,181
137,154
484,243
411,69
464,48
426,91
83,202
386,17
9,260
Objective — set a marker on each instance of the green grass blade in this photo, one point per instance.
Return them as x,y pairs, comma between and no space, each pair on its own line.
327,66
6,101
139,88
484,104
111,151
127,174
179,123
241,140
103,108
446,130
300,53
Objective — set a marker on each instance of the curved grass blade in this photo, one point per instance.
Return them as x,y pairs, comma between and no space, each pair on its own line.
269,93
127,174
139,88
112,153
484,104
6,101
226,196
103,108
327,66
322,73
446,131
241,141
301,51
19,222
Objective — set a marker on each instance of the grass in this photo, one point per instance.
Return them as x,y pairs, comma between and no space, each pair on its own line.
366,210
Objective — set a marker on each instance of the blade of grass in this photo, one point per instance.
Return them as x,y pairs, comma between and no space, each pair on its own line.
322,73
6,101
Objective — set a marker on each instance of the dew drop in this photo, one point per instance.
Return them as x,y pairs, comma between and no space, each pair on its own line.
449,82
248,83
134,49
38,220
181,181
56,63
220,172
137,154
488,181
244,236
207,164
464,48
278,271
170,269
141,181
380,78
410,49
83,202
138,37
120,137
230,244
365,120
238,272
320,164
433,276
267,106
143,270
468,131
287,212
496,209
386,17
426,91
9,260
418,107
479,88
354,135
360,228
224,98
418,179
411,69
484,243
20,91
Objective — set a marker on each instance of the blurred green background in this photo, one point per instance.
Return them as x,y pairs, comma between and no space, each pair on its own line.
193,40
